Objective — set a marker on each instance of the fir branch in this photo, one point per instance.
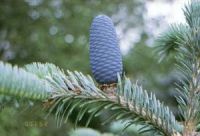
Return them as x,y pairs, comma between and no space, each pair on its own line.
130,102
17,82
189,66
186,39
188,60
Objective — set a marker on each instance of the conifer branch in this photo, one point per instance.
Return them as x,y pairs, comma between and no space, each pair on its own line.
188,59
189,65
67,92
128,102
17,82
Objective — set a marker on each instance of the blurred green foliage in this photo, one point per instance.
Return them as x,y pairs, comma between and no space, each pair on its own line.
57,31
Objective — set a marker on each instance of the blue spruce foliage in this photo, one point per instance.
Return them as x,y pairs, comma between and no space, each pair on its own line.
105,56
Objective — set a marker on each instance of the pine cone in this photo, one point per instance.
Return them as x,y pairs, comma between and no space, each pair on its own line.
105,56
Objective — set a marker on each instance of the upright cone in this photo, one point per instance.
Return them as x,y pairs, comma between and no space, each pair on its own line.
105,56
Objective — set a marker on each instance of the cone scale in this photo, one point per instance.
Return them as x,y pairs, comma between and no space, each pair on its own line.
105,56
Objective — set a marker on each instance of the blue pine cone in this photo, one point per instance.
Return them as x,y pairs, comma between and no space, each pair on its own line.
105,56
